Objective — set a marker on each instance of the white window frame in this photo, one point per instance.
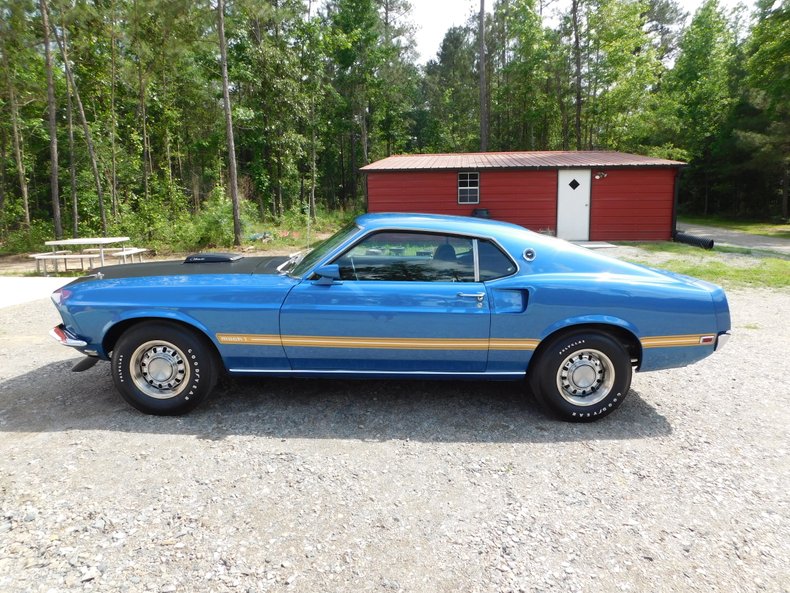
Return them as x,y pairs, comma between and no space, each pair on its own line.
465,187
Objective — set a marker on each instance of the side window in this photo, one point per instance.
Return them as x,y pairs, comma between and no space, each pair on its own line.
409,257
493,263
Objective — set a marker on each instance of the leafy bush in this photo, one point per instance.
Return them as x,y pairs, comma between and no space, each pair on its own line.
28,240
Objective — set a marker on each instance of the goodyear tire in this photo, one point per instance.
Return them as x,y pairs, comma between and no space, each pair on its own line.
581,377
163,368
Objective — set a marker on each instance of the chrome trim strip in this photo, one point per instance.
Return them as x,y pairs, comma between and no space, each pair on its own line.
476,258
357,372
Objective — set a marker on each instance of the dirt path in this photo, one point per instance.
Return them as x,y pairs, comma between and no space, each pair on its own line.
737,238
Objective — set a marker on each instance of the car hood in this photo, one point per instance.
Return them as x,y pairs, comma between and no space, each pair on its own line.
244,265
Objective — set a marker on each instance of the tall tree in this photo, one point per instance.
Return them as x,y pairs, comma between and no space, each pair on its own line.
53,124
577,72
16,122
699,89
481,44
769,77
234,184
86,131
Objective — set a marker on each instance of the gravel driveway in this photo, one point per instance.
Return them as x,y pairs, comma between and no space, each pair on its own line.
318,486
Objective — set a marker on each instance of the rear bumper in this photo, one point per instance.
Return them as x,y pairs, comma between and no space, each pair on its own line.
722,340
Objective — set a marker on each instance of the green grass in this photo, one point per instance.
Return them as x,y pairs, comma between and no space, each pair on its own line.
767,229
767,270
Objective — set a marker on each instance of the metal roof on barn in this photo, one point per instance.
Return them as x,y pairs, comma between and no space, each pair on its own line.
518,160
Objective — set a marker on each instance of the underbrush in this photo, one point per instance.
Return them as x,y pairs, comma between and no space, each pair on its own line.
151,226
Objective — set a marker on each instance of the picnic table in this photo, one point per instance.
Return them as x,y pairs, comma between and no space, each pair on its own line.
100,242
91,248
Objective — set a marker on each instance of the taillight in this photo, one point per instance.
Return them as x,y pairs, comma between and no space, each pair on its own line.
60,295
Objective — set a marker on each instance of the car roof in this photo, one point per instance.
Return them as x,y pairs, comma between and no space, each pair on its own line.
440,222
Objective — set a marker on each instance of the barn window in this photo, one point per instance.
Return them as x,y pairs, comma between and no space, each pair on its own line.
469,188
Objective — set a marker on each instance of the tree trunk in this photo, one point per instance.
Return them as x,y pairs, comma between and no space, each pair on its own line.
234,188
75,215
3,140
483,94
312,164
144,125
53,126
577,57
113,118
87,131
785,182
17,137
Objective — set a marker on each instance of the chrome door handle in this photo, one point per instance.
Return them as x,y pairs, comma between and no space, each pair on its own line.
479,296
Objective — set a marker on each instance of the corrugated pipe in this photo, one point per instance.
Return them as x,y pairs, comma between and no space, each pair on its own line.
692,240
677,236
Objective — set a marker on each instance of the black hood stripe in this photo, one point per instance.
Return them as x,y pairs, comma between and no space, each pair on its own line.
246,265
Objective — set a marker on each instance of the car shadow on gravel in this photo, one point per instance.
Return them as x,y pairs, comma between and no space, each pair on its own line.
51,398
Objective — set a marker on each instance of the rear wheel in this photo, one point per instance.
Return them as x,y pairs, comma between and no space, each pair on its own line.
582,376
163,368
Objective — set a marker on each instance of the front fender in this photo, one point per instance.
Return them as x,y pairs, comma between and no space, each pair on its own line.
113,328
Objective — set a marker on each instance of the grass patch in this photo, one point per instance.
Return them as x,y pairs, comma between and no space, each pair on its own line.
766,229
770,272
729,266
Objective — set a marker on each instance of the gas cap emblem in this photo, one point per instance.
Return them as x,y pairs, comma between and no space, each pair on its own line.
529,254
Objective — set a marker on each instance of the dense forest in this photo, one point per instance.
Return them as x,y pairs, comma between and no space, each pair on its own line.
151,118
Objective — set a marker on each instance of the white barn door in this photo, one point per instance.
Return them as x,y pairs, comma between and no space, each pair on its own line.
573,204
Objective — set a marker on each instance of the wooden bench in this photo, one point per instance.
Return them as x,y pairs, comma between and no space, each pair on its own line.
129,252
65,257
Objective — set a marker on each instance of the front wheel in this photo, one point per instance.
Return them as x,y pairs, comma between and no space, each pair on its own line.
162,368
581,377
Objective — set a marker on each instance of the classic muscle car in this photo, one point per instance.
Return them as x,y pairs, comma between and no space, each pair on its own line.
395,296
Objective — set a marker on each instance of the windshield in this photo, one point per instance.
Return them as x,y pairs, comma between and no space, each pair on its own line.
301,262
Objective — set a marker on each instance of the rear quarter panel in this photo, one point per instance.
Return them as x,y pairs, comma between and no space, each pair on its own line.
553,302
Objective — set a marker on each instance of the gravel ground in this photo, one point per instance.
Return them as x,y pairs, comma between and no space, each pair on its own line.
397,486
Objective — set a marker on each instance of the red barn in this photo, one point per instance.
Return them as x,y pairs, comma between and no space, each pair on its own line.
585,195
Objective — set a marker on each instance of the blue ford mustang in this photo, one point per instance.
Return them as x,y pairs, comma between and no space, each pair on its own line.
395,295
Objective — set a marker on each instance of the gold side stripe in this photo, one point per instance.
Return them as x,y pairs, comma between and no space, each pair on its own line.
378,343
681,340
504,344
257,339
433,343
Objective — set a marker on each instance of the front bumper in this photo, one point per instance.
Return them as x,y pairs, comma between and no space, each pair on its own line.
60,334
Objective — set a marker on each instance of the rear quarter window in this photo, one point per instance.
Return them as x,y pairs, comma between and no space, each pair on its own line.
493,262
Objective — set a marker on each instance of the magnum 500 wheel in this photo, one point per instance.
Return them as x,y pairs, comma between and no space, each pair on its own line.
582,376
163,368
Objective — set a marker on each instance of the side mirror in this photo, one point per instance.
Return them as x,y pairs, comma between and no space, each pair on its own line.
327,275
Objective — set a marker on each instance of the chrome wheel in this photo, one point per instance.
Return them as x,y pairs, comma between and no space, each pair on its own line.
585,377
159,369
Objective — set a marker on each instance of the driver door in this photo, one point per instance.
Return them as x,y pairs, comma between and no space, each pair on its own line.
405,302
